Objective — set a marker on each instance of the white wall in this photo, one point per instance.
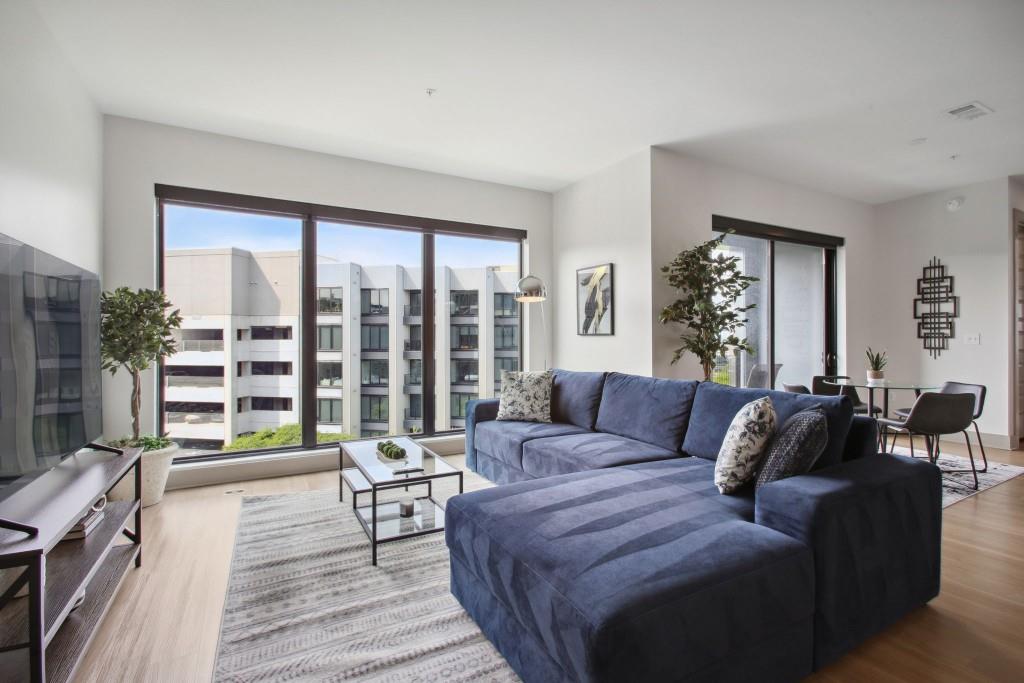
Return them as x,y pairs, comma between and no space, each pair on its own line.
606,218
975,243
686,192
138,155
50,144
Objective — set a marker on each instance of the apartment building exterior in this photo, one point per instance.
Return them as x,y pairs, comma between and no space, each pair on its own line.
238,367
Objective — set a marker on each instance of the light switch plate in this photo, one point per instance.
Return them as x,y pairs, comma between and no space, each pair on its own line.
972,339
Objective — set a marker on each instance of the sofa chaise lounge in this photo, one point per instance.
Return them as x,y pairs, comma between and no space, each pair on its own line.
609,555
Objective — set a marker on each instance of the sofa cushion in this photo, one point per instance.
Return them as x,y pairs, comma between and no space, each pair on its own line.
525,396
588,451
716,404
646,409
575,397
627,574
504,440
795,448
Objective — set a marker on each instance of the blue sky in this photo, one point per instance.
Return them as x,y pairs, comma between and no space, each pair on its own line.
187,227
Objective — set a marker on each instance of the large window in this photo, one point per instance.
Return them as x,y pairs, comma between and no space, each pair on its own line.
329,337
374,337
329,299
328,373
375,373
265,352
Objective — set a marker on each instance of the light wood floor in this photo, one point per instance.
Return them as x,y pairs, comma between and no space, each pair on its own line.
164,624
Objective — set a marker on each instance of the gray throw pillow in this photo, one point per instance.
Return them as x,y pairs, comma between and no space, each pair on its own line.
796,447
525,396
744,445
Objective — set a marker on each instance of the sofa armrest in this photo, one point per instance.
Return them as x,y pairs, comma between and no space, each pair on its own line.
874,526
477,410
862,439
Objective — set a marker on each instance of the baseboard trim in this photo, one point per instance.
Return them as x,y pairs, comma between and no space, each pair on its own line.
993,440
268,465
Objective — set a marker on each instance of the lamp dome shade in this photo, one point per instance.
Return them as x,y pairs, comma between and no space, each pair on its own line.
531,289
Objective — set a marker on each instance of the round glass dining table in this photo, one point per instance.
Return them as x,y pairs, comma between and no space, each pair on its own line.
885,385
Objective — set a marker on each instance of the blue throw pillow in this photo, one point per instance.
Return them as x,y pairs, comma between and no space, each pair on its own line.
796,447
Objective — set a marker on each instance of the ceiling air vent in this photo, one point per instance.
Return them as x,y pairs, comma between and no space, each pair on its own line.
969,111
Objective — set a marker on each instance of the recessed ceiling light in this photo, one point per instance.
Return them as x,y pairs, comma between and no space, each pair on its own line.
918,141
969,111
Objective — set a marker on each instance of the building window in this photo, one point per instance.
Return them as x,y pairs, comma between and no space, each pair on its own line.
415,376
329,299
373,409
271,368
242,404
506,337
328,411
193,375
328,337
459,402
193,413
465,337
276,403
465,371
240,368
415,409
199,339
505,305
375,373
373,301
374,337
465,302
240,334
415,340
510,364
415,305
271,333
328,374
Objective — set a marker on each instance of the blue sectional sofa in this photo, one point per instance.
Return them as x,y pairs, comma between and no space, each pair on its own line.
609,555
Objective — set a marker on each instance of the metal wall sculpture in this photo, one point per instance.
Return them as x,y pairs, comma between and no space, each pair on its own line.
935,308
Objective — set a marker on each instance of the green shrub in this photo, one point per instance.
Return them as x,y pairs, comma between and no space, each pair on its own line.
285,435
145,442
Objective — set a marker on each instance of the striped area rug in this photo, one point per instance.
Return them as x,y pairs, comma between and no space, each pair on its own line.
305,604
959,485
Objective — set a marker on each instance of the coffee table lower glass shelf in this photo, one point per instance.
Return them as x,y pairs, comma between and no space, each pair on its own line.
382,520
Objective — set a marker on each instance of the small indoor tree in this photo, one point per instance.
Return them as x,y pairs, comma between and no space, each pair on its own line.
136,332
709,283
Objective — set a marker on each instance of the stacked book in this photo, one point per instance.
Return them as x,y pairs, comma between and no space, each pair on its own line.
84,525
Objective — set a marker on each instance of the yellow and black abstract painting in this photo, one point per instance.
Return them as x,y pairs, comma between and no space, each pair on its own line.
594,315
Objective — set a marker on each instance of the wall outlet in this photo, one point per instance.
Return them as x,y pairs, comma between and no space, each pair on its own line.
972,339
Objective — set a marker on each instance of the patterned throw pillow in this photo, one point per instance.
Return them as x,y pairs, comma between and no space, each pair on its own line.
796,447
525,396
744,445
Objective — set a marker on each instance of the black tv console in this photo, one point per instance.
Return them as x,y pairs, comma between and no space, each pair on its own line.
41,638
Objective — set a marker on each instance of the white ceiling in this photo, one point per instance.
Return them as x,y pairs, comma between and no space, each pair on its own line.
541,93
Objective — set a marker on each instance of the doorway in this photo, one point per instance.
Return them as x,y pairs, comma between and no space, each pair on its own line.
792,329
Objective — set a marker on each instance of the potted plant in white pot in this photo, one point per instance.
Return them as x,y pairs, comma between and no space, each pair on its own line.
876,365
136,332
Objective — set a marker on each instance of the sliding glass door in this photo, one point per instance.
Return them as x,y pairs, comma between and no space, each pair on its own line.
792,328
308,324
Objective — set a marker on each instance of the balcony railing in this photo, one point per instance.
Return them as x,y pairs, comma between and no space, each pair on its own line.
195,418
506,313
187,381
413,414
329,382
463,310
413,344
413,310
413,379
466,344
201,345
466,379
330,306
374,420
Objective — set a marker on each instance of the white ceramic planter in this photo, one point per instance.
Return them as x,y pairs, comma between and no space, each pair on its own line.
876,375
155,467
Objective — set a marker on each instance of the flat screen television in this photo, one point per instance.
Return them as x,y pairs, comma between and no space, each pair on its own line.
50,402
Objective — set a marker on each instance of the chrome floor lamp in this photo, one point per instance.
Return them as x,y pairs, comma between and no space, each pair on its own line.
531,290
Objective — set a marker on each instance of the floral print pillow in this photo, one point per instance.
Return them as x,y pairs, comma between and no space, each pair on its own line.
525,396
744,446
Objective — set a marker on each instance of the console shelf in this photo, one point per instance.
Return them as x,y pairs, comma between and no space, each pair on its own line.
41,638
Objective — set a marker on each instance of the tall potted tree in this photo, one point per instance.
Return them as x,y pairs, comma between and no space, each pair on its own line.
136,332
709,282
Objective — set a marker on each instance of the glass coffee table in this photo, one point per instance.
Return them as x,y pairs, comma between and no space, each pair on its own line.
383,522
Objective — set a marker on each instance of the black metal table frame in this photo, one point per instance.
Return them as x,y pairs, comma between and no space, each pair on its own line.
371,529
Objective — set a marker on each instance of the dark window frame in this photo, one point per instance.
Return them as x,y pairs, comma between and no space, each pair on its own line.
310,213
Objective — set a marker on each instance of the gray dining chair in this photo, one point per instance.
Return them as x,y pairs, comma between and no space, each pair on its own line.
820,386
935,415
976,390
796,388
